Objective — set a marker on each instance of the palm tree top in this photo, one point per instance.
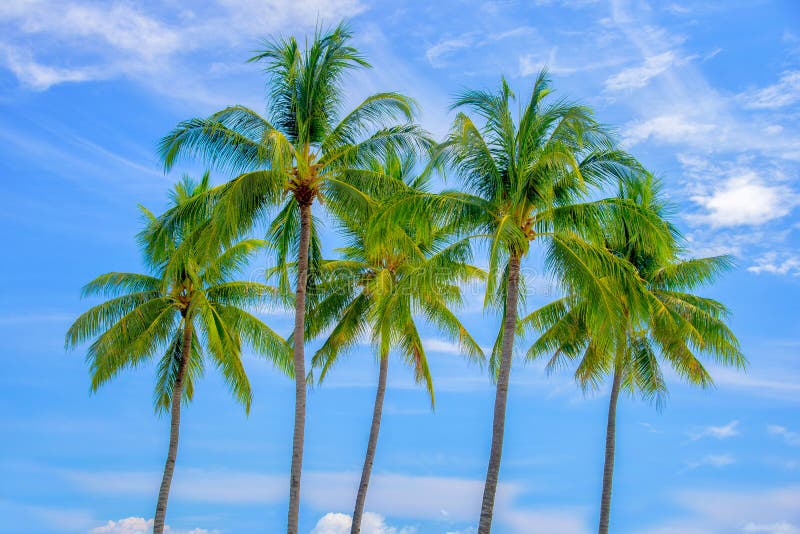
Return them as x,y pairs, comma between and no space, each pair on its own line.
146,313
673,324
383,281
303,100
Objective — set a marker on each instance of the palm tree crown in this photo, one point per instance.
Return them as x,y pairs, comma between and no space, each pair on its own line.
675,324
384,279
305,149
147,312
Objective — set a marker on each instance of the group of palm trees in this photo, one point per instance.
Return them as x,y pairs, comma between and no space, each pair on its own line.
530,175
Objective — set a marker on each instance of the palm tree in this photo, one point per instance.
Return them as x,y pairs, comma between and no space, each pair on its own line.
303,152
187,310
381,284
525,177
674,325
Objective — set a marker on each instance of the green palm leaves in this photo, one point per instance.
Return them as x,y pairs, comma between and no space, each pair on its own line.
189,311
531,173
146,314
654,312
385,281
628,329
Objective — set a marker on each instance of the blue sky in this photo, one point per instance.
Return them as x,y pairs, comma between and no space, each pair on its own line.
706,94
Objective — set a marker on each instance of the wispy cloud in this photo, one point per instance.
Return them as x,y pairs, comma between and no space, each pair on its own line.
781,527
781,94
712,460
726,512
438,53
371,523
790,437
774,262
719,432
420,497
47,42
639,76
140,525
532,63
765,383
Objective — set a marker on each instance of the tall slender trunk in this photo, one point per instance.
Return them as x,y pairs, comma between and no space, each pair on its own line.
299,368
501,396
373,442
608,468
172,454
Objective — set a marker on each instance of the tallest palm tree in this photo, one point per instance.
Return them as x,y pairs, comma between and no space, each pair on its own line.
304,151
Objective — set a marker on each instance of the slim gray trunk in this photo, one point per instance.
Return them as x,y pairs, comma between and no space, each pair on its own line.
373,442
608,469
172,454
299,369
501,397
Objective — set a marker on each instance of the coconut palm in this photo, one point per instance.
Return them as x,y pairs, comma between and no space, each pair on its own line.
188,310
526,177
379,287
304,151
674,327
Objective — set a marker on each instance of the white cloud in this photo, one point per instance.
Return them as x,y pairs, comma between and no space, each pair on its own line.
670,128
774,263
446,347
771,528
720,432
440,345
421,497
47,42
371,523
678,9
742,507
111,40
547,522
573,4
436,53
531,64
53,518
727,512
775,384
685,109
791,438
430,498
744,199
783,93
635,77
140,525
712,460
40,77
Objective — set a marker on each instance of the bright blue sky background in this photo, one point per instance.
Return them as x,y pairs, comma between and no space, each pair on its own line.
707,94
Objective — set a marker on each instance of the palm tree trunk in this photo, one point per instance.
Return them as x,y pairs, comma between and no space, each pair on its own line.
299,368
501,396
361,497
608,469
172,454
